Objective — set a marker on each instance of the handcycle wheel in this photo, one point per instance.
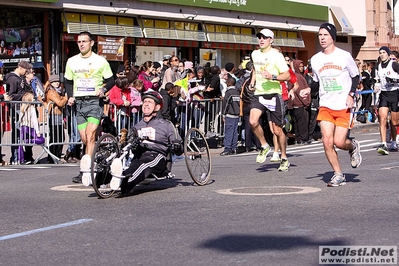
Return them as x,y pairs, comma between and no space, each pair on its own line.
198,159
105,150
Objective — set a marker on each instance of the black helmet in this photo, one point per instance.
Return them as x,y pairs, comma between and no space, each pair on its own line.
156,96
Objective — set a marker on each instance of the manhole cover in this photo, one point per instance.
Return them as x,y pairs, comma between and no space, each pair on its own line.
266,191
72,188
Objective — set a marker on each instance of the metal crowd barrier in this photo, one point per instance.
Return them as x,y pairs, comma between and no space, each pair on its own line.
206,115
61,130
11,127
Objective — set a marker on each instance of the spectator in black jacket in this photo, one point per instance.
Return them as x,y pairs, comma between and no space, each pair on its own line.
212,91
231,116
166,111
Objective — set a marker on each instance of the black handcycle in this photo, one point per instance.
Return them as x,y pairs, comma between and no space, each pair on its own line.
109,147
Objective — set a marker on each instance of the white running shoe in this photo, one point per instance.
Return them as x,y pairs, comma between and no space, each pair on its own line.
85,165
337,180
116,172
275,157
355,156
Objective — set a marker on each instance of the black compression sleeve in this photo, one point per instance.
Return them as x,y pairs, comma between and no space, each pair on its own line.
69,87
355,83
109,83
314,87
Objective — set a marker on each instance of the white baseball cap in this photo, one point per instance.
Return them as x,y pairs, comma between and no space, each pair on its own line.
266,33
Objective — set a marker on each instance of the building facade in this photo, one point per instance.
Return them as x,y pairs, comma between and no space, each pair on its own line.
214,31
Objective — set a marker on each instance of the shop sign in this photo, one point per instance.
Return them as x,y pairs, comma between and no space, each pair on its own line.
69,37
111,49
143,41
21,44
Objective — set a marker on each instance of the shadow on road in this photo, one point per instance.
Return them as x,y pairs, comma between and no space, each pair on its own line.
248,243
326,177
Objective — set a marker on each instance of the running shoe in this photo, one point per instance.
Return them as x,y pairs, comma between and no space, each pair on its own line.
77,179
261,158
85,164
356,157
284,165
275,158
116,171
383,149
337,180
393,146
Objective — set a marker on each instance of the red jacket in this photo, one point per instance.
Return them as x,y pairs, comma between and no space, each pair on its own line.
116,96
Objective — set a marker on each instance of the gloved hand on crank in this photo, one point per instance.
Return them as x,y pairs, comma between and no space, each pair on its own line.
134,138
177,147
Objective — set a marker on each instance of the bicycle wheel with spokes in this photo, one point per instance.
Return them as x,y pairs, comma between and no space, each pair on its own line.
106,149
198,159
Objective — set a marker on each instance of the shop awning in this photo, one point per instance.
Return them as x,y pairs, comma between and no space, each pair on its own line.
341,19
173,34
289,42
104,29
231,38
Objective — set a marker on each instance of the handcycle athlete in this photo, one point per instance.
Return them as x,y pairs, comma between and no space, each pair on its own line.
152,140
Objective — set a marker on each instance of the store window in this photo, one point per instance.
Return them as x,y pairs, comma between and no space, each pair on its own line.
148,23
222,29
110,20
89,18
21,38
126,21
162,24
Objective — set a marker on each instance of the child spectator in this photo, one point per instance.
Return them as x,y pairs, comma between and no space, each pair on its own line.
119,95
55,100
166,111
29,131
135,100
231,116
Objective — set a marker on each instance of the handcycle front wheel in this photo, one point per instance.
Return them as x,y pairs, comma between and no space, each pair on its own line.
198,159
105,150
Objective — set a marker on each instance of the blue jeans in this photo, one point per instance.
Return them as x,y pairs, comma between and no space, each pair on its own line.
230,133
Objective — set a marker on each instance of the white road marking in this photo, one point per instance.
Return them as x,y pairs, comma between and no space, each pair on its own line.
303,190
44,229
78,187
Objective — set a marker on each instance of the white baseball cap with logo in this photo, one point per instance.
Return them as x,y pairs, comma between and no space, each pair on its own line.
266,33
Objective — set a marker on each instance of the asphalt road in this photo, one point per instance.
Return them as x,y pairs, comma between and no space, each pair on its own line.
249,214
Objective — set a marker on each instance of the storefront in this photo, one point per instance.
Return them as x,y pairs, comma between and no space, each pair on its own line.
21,38
150,29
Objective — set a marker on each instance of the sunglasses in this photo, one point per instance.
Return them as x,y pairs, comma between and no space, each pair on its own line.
175,60
263,37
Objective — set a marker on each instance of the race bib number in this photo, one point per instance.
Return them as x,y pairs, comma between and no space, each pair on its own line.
269,104
85,86
330,84
148,132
